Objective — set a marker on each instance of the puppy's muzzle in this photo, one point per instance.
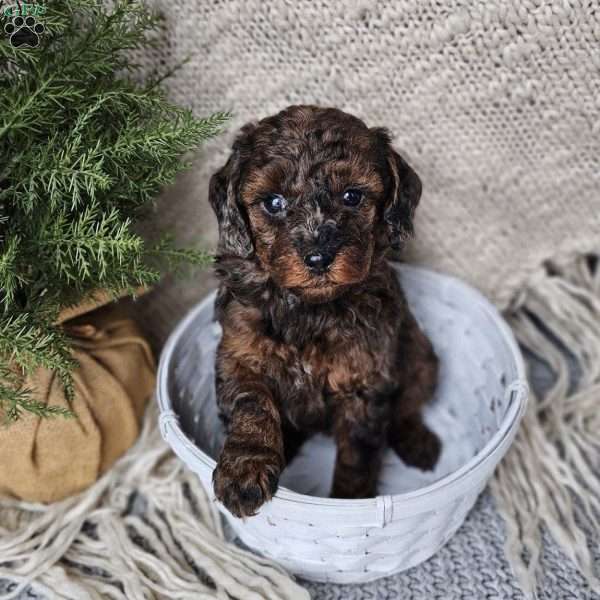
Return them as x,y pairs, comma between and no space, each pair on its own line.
328,243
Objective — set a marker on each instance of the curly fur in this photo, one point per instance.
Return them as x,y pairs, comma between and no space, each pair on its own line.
336,351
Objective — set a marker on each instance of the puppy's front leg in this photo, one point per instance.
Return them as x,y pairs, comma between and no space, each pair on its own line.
252,458
360,439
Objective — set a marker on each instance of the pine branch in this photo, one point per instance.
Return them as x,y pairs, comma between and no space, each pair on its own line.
31,343
171,258
14,401
84,150
11,279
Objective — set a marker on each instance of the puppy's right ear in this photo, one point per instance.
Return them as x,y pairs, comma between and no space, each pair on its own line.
404,195
234,230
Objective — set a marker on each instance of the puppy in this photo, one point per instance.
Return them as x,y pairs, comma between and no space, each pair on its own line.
317,335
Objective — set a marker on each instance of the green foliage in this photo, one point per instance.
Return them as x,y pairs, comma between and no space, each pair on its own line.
84,150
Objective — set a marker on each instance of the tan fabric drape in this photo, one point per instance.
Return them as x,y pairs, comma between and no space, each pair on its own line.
47,459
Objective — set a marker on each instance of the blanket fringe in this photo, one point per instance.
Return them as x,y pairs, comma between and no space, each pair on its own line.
551,477
97,546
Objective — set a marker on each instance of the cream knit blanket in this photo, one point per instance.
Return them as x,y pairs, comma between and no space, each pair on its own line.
496,103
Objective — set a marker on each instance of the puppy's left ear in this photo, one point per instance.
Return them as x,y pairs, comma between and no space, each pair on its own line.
403,196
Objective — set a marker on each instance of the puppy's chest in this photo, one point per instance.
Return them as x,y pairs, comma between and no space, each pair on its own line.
335,366
324,375
334,361
315,362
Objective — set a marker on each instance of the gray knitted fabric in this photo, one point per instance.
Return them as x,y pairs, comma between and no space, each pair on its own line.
470,567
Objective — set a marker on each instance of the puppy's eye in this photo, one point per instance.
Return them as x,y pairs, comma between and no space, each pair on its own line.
352,197
275,204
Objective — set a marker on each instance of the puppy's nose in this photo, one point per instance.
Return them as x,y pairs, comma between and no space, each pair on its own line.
318,261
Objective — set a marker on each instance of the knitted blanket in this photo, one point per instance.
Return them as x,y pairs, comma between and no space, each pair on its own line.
496,105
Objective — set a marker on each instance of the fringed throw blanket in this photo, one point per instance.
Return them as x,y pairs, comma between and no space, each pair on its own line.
552,473
495,103
144,530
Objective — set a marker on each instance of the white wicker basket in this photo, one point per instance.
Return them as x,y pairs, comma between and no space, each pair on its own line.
480,399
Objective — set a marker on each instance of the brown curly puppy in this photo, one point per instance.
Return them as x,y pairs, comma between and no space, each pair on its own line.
317,335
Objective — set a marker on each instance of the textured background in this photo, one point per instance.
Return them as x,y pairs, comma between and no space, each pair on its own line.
495,103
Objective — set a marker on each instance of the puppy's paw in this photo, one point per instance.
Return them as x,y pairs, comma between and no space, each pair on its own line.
421,448
243,483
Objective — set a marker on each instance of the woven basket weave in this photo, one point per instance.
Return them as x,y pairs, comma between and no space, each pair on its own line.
480,399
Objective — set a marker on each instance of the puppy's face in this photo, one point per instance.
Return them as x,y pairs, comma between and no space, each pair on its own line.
313,195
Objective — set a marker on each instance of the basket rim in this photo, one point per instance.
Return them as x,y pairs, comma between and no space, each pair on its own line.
493,449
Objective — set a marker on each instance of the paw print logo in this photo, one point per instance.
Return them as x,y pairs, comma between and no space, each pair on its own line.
24,31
